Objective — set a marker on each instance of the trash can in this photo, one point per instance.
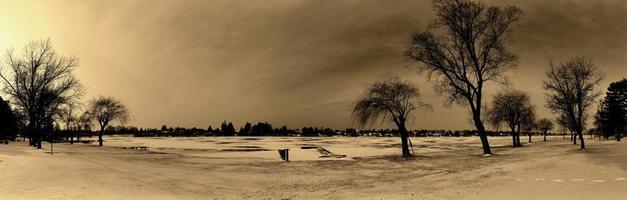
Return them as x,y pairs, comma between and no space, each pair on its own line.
285,154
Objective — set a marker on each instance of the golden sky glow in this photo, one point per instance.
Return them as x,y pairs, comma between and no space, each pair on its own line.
197,63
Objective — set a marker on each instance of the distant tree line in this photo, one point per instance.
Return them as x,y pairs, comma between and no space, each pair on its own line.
266,129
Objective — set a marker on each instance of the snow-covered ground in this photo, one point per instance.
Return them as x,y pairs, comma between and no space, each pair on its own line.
266,148
250,168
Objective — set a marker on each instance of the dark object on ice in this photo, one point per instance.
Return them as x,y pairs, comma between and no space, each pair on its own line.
327,154
140,147
245,150
285,154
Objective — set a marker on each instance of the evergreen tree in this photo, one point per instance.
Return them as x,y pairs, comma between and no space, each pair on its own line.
209,131
309,132
8,121
262,129
283,131
246,129
351,132
613,115
230,130
224,128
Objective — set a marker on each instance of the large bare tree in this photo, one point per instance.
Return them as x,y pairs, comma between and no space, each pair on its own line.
513,108
571,88
105,110
389,100
465,49
39,81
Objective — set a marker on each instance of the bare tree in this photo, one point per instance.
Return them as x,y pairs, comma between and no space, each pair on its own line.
105,110
468,51
513,108
39,81
563,122
571,88
84,124
389,100
529,125
545,125
68,116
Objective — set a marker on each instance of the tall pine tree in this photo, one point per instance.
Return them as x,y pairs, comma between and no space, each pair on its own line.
614,113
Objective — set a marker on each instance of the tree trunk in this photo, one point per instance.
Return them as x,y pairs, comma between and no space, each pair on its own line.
518,140
580,121
571,136
529,137
38,135
545,135
31,132
518,143
405,145
404,139
482,134
475,108
39,140
52,144
514,143
580,133
100,136
583,145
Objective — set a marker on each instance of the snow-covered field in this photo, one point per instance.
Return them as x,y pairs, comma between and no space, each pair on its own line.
266,148
250,168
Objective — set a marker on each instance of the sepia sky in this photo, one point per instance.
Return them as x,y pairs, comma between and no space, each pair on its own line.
197,63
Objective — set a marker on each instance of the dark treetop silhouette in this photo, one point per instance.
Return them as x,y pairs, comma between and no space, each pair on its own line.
466,49
105,110
544,125
513,108
612,118
39,83
389,100
8,122
571,90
